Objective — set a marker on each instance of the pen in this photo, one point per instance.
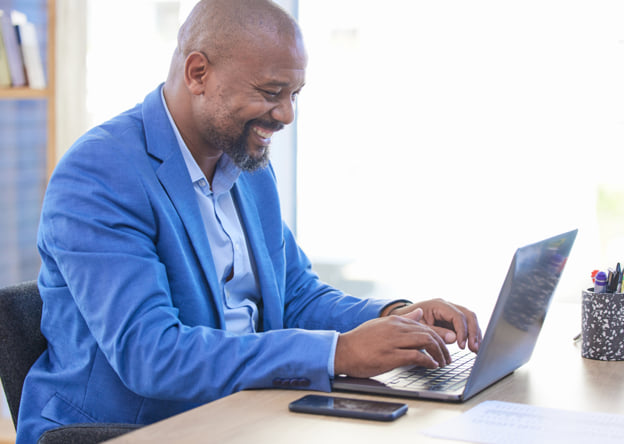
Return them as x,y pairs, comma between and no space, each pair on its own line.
610,276
600,284
615,278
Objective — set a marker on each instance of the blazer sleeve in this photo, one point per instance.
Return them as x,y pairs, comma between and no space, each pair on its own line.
106,290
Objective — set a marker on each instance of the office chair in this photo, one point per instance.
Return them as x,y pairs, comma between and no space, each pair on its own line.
21,343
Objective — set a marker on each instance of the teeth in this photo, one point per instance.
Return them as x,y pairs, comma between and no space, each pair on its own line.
262,133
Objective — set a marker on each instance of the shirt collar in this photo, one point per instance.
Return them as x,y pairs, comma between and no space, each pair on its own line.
226,173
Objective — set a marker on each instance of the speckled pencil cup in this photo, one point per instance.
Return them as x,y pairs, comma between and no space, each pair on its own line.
603,326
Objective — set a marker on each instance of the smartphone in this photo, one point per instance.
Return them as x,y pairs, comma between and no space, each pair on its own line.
348,407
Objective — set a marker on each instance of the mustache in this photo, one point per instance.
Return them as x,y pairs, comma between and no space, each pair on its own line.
266,124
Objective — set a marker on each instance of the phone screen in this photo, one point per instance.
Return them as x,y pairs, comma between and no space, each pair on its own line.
348,407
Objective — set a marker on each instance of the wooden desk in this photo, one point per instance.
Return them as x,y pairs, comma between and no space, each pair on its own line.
557,376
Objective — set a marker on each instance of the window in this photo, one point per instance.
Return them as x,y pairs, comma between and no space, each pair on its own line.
436,137
433,138
127,61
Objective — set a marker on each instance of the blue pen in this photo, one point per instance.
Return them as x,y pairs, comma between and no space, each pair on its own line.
600,284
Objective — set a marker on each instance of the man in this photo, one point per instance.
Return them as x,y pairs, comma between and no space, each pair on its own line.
168,278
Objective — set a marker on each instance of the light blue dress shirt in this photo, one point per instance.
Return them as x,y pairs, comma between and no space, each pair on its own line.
229,244
230,250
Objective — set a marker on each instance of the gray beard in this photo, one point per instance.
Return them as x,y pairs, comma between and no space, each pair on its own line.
238,152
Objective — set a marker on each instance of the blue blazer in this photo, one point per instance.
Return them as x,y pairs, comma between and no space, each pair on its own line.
132,308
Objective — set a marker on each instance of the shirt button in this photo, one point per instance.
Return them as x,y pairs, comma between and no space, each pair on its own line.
202,183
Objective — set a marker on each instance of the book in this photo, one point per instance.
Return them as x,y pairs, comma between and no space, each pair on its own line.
12,48
33,64
5,73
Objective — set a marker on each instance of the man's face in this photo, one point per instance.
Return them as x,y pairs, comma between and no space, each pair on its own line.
252,97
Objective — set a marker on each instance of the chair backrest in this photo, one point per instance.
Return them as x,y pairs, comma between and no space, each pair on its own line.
21,341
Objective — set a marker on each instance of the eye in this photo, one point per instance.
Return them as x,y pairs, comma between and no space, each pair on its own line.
270,93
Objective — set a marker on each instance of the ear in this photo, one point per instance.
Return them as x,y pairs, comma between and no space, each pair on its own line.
197,69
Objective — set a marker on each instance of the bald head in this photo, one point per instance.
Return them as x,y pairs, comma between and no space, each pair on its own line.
225,29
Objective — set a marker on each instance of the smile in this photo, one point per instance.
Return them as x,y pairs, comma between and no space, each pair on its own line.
262,133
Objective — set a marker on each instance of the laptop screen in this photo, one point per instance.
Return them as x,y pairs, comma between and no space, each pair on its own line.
520,310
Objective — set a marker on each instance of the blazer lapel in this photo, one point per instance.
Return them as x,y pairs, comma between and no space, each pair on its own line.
174,177
272,298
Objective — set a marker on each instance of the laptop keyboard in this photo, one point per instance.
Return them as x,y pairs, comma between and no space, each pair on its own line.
451,377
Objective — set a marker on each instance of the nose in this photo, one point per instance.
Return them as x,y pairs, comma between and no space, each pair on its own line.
284,111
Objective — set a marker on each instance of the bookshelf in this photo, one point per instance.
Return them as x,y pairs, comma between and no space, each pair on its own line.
46,26
27,150
27,157
24,94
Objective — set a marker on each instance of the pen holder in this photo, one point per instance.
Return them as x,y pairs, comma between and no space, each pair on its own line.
603,326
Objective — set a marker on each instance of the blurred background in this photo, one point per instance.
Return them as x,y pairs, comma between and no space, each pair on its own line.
432,138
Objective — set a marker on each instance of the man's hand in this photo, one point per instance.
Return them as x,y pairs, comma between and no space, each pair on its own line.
382,344
452,322
414,334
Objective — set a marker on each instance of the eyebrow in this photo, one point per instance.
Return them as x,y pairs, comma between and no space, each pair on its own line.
279,83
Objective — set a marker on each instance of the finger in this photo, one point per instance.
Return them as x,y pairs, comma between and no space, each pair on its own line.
445,317
414,315
438,351
410,334
461,329
449,336
441,346
421,359
458,318
428,339
414,336
473,331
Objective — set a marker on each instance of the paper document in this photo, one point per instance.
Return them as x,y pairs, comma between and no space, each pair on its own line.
495,422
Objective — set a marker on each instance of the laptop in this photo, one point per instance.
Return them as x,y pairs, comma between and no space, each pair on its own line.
509,339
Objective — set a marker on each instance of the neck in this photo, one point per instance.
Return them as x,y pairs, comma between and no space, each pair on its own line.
208,164
176,104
